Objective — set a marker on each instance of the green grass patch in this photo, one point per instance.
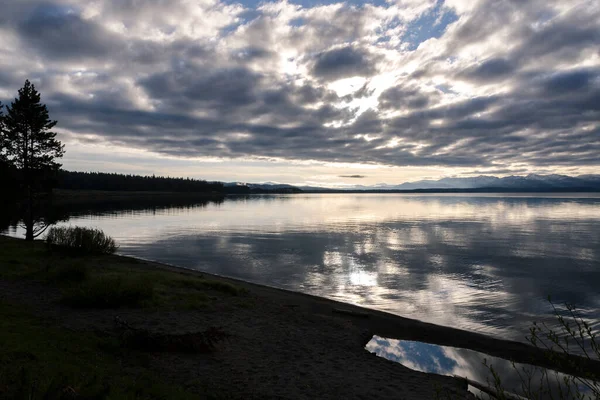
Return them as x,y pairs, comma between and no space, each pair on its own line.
224,287
110,292
70,273
192,282
174,299
40,361
21,259
108,281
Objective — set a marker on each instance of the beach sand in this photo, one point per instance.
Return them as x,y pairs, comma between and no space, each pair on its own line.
283,345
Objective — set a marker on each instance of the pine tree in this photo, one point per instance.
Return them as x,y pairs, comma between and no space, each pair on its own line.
28,144
2,157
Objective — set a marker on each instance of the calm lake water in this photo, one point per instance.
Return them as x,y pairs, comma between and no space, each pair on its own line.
452,361
485,263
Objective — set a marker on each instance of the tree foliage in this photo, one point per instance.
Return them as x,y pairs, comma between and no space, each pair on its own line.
1,132
9,180
29,150
28,142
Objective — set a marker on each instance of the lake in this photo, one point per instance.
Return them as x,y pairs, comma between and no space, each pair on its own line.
479,262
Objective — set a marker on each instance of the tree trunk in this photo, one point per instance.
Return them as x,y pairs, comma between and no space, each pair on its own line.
29,214
29,231
27,175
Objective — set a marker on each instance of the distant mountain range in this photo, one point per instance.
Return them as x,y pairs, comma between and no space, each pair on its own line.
267,187
531,182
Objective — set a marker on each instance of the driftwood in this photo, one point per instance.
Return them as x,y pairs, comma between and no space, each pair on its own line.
352,313
145,340
490,391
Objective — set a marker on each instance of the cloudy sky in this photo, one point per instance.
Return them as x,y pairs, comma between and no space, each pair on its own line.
322,93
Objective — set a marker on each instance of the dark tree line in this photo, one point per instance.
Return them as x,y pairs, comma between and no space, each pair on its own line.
71,180
121,182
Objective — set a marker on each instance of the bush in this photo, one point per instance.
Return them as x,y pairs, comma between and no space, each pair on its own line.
573,335
110,292
87,240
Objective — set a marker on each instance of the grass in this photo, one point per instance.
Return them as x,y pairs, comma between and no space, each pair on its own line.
224,287
110,292
202,284
20,259
108,281
70,273
39,361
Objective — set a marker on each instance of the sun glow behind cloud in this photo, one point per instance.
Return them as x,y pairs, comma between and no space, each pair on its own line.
440,87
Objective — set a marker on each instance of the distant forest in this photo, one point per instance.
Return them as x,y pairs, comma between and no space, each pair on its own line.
120,182
69,180
11,181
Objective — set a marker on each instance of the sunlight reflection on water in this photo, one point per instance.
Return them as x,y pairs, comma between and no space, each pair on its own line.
479,262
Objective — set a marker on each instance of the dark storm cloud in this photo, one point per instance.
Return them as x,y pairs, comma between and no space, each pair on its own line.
566,38
253,53
343,63
539,122
180,135
308,94
189,87
569,81
322,31
8,79
239,95
60,33
226,87
478,132
401,97
489,70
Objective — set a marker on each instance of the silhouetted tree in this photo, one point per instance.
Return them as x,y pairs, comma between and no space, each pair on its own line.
30,146
2,156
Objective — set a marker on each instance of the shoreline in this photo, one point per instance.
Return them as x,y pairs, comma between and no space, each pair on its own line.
388,325
278,345
64,197
281,344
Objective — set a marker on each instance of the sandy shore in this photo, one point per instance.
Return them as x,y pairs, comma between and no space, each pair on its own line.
283,345
373,322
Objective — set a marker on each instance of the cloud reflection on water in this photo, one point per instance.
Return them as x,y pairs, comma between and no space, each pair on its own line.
452,361
478,262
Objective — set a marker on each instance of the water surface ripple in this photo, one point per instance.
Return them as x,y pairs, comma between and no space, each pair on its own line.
484,263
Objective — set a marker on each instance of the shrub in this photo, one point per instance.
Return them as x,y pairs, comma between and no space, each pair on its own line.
87,240
573,333
110,292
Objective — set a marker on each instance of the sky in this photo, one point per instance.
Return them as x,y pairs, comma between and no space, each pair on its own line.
314,93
